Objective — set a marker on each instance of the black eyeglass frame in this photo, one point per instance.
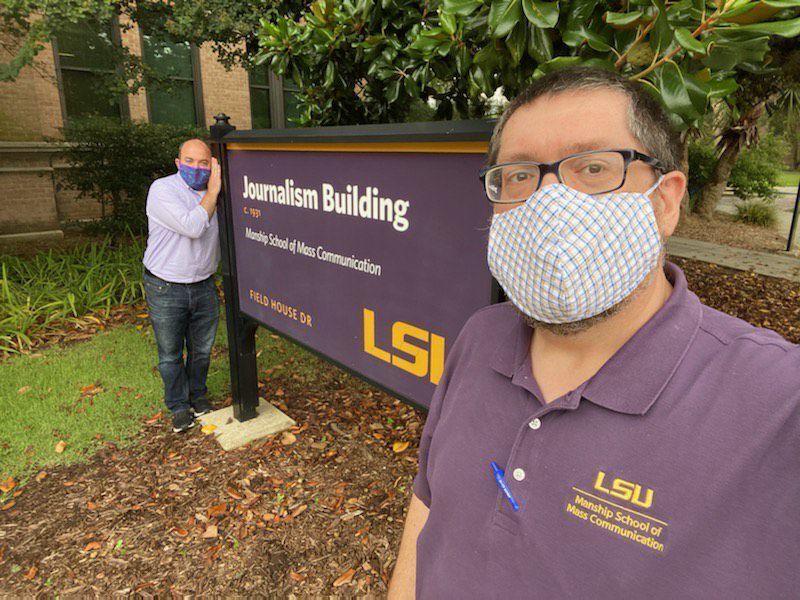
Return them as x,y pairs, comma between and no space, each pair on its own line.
628,156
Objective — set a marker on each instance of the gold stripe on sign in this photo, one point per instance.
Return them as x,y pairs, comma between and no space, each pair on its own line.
420,147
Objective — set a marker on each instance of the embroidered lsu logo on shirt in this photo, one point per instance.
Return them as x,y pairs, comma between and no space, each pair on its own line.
621,507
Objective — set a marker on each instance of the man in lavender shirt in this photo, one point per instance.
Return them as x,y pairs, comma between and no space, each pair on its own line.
180,262
603,435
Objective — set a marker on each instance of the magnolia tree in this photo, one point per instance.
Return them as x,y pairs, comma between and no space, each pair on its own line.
370,60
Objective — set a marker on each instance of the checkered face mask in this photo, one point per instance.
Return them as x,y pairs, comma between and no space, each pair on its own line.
564,255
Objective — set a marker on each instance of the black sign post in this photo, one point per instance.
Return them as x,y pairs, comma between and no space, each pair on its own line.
795,220
241,329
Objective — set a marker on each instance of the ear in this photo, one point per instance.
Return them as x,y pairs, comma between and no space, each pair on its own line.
669,195
177,163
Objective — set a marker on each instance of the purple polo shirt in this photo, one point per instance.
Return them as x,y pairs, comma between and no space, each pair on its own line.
674,472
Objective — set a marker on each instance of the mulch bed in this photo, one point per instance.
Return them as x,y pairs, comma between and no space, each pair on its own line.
312,514
724,229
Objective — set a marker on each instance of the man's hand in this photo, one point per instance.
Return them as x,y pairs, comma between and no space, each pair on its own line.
215,180
209,201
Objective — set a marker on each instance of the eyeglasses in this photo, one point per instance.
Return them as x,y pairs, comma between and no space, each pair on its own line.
595,172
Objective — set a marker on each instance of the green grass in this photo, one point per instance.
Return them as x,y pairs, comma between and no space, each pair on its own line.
789,178
41,397
121,361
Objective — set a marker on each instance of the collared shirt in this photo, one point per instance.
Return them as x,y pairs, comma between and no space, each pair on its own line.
673,472
183,243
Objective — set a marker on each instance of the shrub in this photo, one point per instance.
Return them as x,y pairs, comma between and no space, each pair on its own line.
757,171
42,294
757,212
116,163
702,159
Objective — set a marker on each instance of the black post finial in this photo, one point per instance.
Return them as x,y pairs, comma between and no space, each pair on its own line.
221,126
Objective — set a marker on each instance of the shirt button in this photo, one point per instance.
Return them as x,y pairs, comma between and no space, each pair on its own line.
535,424
519,474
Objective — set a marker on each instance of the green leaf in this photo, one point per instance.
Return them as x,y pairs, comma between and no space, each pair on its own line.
613,18
330,71
482,81
730,51
722,88
541,14
540,45
412,89
685,39
462,61
580,35
559,62
503,15
393,91
672,88
486,58
661,35
448,23
782,3
787,29
461,8
516,43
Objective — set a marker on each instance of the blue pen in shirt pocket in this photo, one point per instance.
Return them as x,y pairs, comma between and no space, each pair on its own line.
499,477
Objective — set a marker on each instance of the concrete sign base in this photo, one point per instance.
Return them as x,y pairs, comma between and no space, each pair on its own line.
232,434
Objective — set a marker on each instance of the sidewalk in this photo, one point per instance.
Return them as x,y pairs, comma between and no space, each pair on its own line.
764,263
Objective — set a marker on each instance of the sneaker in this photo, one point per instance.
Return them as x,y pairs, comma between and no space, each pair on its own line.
201,407
181,421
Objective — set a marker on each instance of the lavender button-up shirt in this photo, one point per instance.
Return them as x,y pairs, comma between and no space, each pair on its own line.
183,243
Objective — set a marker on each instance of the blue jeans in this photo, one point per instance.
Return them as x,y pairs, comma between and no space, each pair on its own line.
183,314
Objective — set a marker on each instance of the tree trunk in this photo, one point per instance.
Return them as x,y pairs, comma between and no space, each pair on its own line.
706,204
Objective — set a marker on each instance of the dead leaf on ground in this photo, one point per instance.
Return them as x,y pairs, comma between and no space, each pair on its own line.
154,419
8,505
288,439
92,389
217,510
299,510
31,573
210,532
60,446
24,389
91,546
41,475
180,532
296,576
344,578
7,485
208,428
399,446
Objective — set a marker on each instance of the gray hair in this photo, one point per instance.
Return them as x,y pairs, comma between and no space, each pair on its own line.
647,119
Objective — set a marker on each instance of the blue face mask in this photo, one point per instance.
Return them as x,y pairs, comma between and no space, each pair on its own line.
195,177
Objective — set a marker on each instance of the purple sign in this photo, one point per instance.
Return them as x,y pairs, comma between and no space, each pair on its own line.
374,260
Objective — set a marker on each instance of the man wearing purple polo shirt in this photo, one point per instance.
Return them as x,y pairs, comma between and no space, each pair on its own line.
603,434
179,266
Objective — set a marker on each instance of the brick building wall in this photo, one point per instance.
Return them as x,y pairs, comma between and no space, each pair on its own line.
224,91
35,201
30,107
